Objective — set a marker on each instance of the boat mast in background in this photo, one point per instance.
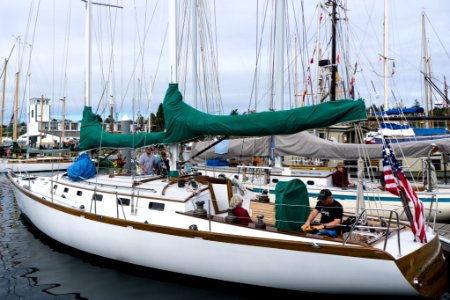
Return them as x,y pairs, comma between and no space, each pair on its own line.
334,72
425,69
385,56
3,102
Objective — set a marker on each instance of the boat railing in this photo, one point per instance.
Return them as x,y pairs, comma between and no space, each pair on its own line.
360,226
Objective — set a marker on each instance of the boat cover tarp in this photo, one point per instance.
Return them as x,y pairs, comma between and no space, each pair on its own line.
394,126
308,145
406,111
291,204
185,123
93,136
83,168
430,131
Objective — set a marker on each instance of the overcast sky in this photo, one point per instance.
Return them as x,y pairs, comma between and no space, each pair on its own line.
55,68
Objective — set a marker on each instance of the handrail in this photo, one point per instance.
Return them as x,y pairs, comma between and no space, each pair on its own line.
387,228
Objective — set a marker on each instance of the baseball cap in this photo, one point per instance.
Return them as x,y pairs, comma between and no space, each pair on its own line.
324,194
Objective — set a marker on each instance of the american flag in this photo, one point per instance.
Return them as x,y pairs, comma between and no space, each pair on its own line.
395,181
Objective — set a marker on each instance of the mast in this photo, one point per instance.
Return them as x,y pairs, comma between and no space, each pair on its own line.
16,110
41,119
28,115
173,69
385,54
173,38
319,80
425,69
3,102
446,101
63,122
333,53
279,52
88,69
194,52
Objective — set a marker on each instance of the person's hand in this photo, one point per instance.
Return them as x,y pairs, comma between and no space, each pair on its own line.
306,225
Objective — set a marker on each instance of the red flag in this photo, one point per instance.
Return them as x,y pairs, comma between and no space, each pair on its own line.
395,181
338,58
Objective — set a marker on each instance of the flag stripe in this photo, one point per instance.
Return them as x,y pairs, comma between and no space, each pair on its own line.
395,181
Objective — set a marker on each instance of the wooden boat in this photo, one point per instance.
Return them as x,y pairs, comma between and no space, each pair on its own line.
182,225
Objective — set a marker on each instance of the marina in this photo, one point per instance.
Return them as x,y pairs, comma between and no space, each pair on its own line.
311,185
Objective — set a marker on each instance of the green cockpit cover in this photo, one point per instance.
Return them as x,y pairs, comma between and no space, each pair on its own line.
292,204
185,123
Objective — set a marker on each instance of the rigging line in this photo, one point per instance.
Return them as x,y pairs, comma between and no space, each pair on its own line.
439,39
258,55
63,86
7,60
147,93
130,81
29,58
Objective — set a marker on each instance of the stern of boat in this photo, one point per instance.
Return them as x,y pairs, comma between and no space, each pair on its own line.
426,269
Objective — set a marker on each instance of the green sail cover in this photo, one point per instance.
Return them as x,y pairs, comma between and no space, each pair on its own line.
184,123
93,136
292,204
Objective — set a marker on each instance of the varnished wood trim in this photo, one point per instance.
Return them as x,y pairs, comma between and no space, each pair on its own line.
428,266
362,252
213,197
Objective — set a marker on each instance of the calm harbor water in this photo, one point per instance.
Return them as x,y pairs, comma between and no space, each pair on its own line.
34,267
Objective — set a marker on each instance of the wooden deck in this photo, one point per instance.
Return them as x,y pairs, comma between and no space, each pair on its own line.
443,230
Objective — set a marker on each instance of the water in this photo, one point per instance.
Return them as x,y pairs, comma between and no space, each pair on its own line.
33,267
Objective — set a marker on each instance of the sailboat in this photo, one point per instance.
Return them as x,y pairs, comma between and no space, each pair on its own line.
16,162
146,220
258,178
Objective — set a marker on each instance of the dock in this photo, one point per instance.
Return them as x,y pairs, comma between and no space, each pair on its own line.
443,230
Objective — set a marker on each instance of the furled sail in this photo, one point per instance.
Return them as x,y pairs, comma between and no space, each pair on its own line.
93,136
309,145
185,123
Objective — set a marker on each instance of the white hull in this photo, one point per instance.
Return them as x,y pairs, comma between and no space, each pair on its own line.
32,165
217,250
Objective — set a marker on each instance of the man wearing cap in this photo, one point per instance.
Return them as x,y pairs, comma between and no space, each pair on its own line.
340,177
331,212
147,161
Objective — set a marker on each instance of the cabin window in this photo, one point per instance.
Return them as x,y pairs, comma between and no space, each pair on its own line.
66,189
156,206
79,193
97,197
123,201
310,182
55,186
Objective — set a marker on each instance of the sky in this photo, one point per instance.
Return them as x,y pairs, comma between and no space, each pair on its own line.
48,37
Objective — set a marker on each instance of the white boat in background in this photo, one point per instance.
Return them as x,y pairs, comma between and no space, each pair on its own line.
37,164
182,223
258,178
